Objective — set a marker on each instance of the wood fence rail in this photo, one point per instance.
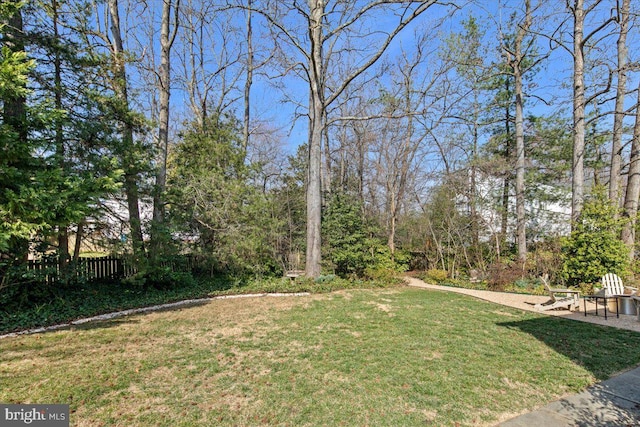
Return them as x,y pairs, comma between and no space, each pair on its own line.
109,267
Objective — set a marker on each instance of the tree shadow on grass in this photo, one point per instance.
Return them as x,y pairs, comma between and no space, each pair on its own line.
595,407
602,350
600,405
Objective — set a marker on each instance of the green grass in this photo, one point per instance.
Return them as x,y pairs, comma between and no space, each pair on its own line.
51,305
356,357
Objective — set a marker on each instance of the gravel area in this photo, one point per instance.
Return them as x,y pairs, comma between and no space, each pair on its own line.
527,302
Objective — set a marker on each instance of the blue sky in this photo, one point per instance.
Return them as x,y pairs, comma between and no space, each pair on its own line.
551,83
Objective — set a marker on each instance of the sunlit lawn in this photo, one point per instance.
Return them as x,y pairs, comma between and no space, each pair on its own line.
376,357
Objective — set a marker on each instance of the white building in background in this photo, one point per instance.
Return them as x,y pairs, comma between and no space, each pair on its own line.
109,230
546,217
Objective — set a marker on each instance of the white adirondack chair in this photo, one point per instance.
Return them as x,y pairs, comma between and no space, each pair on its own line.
560,298
612,286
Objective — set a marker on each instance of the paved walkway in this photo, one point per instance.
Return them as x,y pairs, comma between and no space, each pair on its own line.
611,403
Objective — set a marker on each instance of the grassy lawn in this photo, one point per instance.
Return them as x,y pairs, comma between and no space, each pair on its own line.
46,306
371,357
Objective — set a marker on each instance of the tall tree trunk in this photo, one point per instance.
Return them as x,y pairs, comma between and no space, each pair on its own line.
361,152
63,248
326,175
391,240
167,37
521,220
15,110
473,190
521,234
129,163
63,232
577,180
78,242
504,222
133,205
342,174
316,129
616,142
249,80
633,187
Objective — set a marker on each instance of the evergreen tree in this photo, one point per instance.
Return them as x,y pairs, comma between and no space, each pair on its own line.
349,245
212,203
594,247
18,168
64,83
54,171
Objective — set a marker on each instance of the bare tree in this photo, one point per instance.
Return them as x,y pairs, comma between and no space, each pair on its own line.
466,54
323,45
257,57
249,77
408,104
519,61
633,187
579,13
210,58
619,113
168,34
353,140
120,87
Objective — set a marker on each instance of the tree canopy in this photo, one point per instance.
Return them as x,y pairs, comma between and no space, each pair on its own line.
255,133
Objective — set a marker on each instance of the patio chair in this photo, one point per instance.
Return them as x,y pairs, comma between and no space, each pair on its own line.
612,286
611,294
569,299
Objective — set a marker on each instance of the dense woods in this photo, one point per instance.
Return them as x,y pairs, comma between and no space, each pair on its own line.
337,137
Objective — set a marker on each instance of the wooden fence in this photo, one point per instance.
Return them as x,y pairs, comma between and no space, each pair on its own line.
110,267
87,268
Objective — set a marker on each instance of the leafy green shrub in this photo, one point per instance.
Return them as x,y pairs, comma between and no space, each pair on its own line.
386,267
381,275
160,277
351,247
586,288
466,284
526,285
22,286
594,247
522,283
325,279
436,275
383,259
346,244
